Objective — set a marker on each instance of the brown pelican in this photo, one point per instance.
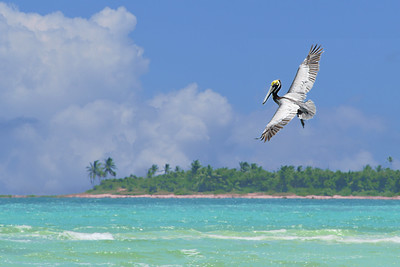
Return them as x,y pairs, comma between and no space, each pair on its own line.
292,103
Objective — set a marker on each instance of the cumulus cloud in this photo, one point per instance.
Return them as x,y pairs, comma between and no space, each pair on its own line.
184,124
119,22
64,86
50,62
69,98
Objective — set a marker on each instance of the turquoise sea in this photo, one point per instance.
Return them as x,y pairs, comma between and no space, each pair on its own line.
199,232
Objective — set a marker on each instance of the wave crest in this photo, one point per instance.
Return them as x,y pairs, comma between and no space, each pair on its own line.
87,236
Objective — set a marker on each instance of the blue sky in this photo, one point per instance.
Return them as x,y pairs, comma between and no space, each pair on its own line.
156,82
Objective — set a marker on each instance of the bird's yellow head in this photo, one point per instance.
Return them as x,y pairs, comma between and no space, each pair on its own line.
275,83
275,87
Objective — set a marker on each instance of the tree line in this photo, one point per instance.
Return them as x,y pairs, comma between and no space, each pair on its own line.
250,178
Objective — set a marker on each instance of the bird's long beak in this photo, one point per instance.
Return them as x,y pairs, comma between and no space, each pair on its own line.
268,94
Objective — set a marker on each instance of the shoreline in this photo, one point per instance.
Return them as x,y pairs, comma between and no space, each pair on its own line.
224,196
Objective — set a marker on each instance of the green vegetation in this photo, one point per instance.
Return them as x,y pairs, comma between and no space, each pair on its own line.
100,170
251,178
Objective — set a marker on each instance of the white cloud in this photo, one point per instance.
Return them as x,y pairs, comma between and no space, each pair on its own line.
50,62
192,111
164,130
118,21
68,98
93,130
181,124
66,95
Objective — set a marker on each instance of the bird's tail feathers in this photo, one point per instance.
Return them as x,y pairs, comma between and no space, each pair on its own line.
308,110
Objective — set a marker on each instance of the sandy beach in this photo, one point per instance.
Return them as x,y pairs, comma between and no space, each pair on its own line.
218,196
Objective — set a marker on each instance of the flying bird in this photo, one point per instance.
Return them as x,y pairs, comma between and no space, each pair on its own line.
292,103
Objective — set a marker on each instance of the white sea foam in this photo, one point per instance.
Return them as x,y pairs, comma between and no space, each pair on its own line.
190,252
23,227
372,240
249,238
323,235
277,238
87,236
272,231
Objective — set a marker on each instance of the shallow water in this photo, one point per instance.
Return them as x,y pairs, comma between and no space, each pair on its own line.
199,232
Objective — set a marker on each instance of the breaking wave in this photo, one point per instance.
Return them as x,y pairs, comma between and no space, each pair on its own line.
87,236
20,233
26,233
322,235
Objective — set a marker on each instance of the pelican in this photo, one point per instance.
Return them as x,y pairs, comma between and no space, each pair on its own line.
292,103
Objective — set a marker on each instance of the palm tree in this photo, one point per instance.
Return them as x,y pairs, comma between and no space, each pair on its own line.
195,166
95,169
178,169
91,172
390,160
109,167
254,167
153,169
244,166
167,168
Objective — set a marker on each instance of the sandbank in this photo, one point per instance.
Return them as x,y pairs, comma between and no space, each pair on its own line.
219,196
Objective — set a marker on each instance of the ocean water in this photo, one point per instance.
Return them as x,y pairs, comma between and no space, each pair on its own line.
199,232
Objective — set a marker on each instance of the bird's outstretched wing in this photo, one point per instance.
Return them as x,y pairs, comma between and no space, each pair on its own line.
306,74
283,115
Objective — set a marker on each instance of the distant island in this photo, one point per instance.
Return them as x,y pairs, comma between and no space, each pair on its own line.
252,180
